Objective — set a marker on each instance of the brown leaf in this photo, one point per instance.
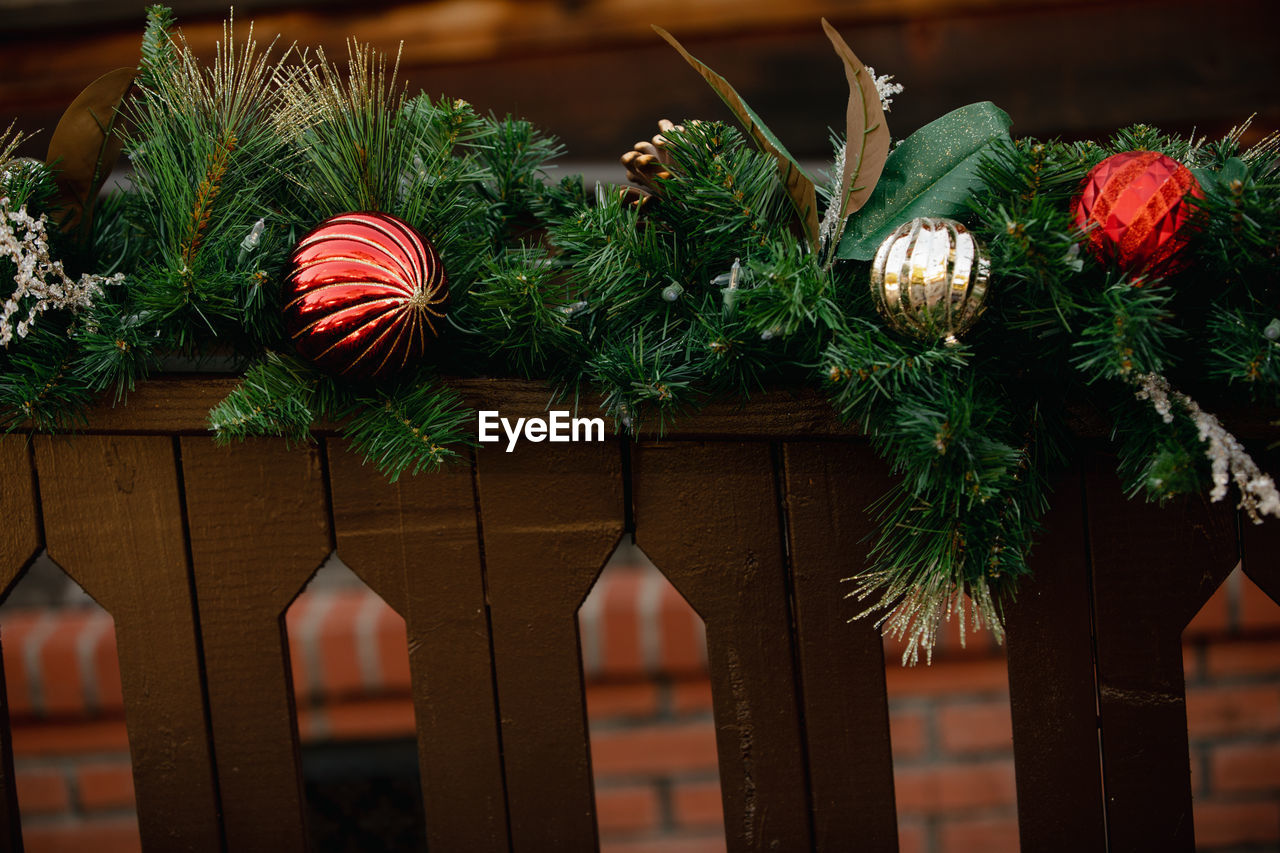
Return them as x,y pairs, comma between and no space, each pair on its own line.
86,144
799,186
867,134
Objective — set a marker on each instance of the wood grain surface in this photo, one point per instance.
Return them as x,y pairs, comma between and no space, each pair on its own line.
551,514
1153,569
707,514
259,529
179,405
754,514
113,522
416,543
1052,693
20,541
829,487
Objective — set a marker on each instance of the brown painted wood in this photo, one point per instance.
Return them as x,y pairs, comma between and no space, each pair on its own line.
1153,569
20,541
551,514
113,522
707,514
1052,694
846,711
20,534
179,405
165,405
416,543
1260,550
259,529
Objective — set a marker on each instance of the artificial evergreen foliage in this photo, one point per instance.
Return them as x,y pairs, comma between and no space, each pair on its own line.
711,289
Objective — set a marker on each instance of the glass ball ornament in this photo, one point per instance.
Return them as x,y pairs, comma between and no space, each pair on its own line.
929,279
1136,209
363,295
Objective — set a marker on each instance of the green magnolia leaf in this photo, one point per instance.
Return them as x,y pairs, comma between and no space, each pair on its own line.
800,188
932,173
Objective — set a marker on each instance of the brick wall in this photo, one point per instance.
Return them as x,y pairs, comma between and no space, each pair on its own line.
649,707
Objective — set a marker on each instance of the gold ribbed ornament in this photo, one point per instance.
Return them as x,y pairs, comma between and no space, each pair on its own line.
929,279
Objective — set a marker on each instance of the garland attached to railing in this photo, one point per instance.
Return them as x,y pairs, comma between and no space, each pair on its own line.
347,244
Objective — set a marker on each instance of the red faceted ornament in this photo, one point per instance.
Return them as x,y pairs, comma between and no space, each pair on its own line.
1135,205
363,291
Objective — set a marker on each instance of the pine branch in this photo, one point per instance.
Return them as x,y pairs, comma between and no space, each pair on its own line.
415,426
1127,331
524,308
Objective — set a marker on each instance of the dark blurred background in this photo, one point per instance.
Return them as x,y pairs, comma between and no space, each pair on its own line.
594,73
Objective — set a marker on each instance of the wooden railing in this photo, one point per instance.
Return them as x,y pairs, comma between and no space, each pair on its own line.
754,514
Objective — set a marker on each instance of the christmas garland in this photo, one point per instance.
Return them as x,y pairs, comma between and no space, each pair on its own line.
346,244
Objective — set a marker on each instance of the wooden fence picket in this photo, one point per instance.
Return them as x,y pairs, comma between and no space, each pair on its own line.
197,552
552,515
113,522
1052,692
20,541
1153,569
416,543
707,514
829,486
259,529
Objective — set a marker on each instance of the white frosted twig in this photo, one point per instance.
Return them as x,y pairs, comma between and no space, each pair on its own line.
1228,460
40,284
885,87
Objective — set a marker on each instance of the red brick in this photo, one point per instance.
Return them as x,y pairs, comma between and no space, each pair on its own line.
341,673
1192,662
684,647
372,718
42,792
106,661
968,729
666,844
1246,767
978,835
303,689
15,629
1198,755
912,837
626,810
681,748
691,697
1242,658
60,679
697,804
954,787
104,835
626,700
908,733
393,652
103,787
70,738
1215,616
1233,710
967,677
1231,824
620,651
1257,610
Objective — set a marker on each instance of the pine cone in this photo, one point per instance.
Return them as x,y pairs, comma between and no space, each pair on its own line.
646,163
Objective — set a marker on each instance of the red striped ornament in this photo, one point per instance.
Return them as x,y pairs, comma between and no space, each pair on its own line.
362,293
1135,205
